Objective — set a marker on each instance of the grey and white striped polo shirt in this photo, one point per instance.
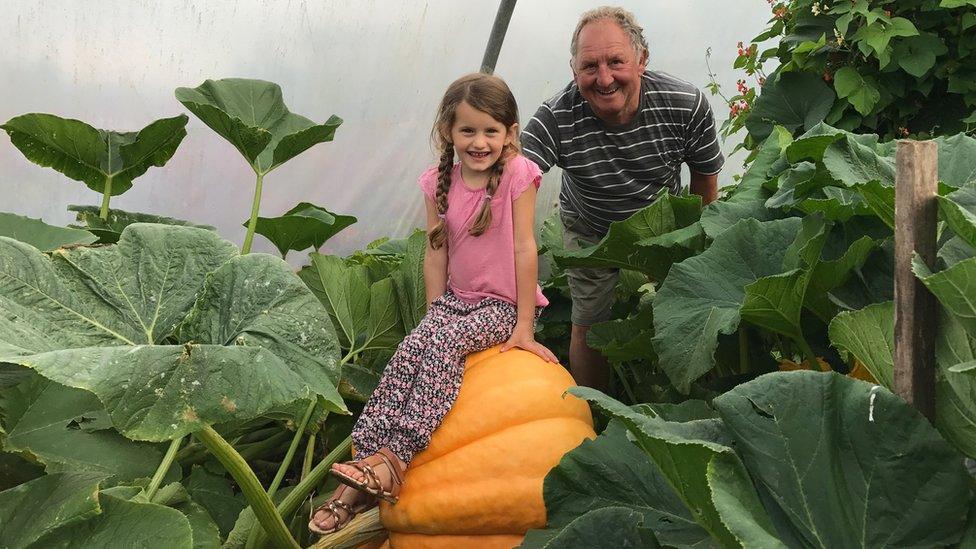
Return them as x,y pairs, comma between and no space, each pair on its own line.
610,172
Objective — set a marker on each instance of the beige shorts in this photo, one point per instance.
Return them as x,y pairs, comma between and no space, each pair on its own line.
591,289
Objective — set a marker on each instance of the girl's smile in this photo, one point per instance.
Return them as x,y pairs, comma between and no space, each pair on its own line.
479,141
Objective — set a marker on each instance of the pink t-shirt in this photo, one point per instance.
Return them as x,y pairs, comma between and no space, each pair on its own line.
484,266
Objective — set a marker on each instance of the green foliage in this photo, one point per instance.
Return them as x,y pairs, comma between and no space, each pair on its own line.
304,226
896,69
109,228
106,161
42,236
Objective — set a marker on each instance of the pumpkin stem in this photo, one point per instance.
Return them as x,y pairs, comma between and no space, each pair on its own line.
366,527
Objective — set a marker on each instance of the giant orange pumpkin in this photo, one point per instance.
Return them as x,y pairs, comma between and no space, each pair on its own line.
479,483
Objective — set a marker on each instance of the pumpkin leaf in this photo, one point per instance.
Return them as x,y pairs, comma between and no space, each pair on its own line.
847,463
408,280
683,452
302,227
125,523
959,211
793,100
48,420
97,158
869,335
641,242
616,526
757,271
954,288
30,511
344,290
624,339
252,115
858,160
90,319
216,495
40,235
957,159
108,230
611,472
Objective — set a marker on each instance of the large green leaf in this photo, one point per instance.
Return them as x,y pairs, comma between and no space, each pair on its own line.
124,524
252,115
108,230
754,269
344,290
95,157
604,527
408,280
860,159
861,91
624,339
848,464
641,242
959,211
868,334
51,422
955,288
304,226
215,494
957,159
92,318
611,472
34,509
39,234
749,198
793,100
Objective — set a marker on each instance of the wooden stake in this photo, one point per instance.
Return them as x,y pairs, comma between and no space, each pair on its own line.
916,214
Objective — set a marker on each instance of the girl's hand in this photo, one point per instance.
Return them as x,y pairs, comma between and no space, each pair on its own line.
523,339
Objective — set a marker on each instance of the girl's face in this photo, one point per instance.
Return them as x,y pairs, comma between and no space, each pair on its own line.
479,140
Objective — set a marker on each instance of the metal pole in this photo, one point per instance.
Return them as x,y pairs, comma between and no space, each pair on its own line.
498,30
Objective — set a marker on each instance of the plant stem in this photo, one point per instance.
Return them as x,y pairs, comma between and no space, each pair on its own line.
743,349
255,206
623,381
291,450
163,468
106,196
309,454
808,354
294,499
259,501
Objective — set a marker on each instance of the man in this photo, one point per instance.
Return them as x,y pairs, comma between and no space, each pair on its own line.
620,133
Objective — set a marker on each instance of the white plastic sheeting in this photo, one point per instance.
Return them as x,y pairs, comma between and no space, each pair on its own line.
381,65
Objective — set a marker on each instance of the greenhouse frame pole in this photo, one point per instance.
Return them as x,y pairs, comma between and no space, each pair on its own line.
498,30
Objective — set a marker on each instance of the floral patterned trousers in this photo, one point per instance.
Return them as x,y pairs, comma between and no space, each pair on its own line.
422,380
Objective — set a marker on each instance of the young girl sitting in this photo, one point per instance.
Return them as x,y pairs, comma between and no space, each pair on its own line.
480,272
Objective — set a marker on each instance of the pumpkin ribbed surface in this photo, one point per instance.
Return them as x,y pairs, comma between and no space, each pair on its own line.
479,482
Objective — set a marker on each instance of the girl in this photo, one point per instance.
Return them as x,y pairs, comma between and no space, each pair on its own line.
480,272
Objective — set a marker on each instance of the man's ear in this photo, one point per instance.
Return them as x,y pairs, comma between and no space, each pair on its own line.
643,60
572,66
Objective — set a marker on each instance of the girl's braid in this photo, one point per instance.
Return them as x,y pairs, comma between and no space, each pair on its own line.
438,234
483,219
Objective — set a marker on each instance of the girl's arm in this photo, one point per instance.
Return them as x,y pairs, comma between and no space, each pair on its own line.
435,261
526,277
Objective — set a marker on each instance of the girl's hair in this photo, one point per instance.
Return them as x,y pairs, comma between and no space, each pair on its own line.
488,94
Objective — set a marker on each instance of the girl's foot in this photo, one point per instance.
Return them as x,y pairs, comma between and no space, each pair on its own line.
346,502
380,474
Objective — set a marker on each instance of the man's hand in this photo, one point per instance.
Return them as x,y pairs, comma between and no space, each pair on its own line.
705,186
524,339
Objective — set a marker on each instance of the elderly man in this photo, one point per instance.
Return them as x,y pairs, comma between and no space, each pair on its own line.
620,134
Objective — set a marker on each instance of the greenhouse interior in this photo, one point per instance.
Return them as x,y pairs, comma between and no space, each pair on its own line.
531,274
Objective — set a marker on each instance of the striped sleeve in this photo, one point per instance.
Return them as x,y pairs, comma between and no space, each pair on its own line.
540,139
703,152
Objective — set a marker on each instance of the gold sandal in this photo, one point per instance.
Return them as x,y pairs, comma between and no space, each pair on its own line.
372,485
333,505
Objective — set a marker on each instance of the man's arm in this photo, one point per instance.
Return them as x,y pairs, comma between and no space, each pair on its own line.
705,186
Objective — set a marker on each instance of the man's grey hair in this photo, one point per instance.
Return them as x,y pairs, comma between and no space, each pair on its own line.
623,18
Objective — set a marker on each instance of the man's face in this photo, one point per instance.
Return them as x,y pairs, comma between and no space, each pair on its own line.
608,71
